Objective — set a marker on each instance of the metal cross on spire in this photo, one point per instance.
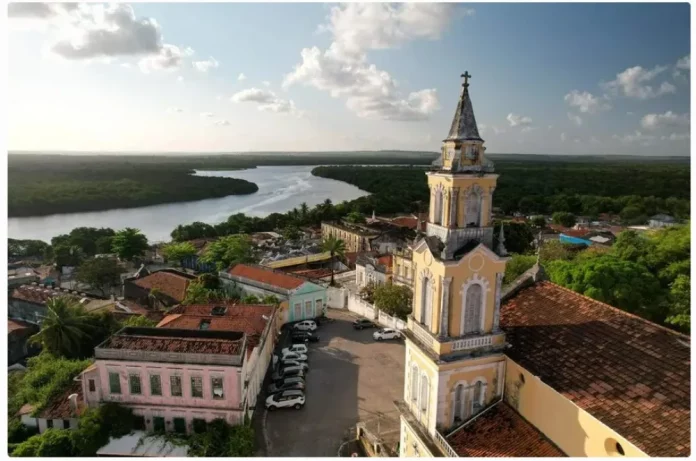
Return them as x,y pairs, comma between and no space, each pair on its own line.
466,76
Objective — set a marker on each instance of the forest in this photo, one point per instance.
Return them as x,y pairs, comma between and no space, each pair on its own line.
42,184
633,190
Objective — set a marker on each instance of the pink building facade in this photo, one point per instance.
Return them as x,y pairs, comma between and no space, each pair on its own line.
173,379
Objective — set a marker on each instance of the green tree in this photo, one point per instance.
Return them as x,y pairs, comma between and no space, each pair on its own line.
177,252
304,212
624,284
518,236
222,440
197,293
291,233
554,249
192,231
66,330
632,214
250,299
355,217
138,321
517,266
67,255
679,310
210,281
336,247
563,218
100,274
17,432
96,425
230,250
539,222
394,300
270,299
129,244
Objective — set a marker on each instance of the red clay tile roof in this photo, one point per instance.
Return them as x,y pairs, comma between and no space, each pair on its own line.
629,373
405,221
501,432
60,408
36,294
385,261
312,273
19,327
575,232
174,344
267,276
172,284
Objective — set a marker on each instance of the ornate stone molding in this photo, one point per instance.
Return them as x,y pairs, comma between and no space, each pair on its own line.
445,282
485,285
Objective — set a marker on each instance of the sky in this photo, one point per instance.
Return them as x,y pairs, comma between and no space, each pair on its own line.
596,79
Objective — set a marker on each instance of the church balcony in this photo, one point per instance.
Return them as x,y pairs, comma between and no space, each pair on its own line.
460,236
447,348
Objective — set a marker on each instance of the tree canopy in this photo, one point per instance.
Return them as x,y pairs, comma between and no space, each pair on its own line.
392,299
230,250
129,244
563,218
100,273
176,252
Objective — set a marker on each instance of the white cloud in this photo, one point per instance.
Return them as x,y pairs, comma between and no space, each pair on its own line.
576,140
266,101
575,119
518,120
174,110
684,63
527,129
180,79
497,130
205,66
676,137
207,115
594,140
669,118
586,102
563,137
636,137
169,58
241,77
88,31
343,70
266,83
630,113
633,83
549,127
221,122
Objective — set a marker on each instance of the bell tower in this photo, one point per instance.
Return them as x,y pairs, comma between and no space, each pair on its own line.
454,360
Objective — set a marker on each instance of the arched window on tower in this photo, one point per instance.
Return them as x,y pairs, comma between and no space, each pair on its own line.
473,310
473,209
427,302
439,199
478,397
414,383
425,391
458,409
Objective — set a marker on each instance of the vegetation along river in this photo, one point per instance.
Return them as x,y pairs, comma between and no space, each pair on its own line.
281,188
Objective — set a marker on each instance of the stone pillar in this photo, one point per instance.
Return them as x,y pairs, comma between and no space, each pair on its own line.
454,204
496,312
445,282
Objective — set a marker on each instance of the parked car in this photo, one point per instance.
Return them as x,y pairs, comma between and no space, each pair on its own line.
286,363
294,356
287,385
286,399
298,348
303,337
386,333
289,372
305,325
363,323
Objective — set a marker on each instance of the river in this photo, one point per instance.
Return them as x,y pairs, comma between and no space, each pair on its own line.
281,188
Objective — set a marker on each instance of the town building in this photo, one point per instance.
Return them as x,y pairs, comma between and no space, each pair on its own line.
173,379
258,322
170,283
375,270
300,298
62,412
21,276
403,272
661,220
355,238
532,369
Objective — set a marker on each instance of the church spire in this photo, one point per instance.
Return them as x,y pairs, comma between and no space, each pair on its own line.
464,123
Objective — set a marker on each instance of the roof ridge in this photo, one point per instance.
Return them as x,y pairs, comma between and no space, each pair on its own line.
629,314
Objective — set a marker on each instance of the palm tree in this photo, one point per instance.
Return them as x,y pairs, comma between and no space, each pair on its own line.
66,329
304,211
336,247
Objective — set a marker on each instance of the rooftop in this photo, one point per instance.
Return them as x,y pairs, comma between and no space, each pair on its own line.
501,432
464,123
60,407
631,374
19,327
174,340
297,260
170,282
353,229
266,276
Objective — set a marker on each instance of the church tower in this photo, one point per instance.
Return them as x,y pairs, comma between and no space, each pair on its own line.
454,359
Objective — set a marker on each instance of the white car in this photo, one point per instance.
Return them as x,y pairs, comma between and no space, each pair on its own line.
294,356
296,348
305,325
286,399
386,333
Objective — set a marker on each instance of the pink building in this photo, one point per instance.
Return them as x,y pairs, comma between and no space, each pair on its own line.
174,379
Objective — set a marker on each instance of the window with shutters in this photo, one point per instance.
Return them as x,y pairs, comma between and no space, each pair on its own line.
414,383
438,207
196,386
473,309
477,399
175,386
134,385
473,209
458,409
114,383
424,393
155,385
218,391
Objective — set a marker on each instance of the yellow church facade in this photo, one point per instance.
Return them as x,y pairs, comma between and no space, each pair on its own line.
481,359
